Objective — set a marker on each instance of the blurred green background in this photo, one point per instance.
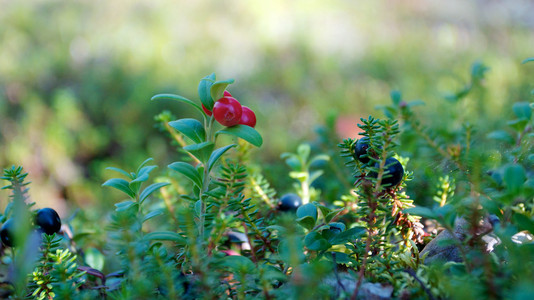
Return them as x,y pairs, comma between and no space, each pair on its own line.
76,77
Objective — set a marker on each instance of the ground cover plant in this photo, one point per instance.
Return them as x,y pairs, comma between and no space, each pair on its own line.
211,225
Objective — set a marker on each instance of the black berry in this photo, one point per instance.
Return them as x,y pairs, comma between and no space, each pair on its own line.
393,172
289,202
7,233
360,150
48,220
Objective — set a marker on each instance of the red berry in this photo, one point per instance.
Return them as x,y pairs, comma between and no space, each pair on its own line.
227,111
207,111
248,117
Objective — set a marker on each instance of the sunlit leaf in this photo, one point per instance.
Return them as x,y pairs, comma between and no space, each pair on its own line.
121,185
218,88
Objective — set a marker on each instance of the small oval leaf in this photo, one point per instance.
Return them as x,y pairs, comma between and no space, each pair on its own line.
315,242
188,171
165,236
307,210
121,185
204,91
150,189
245,132
191,128
218,88
202,151
177,98
217,154
514,177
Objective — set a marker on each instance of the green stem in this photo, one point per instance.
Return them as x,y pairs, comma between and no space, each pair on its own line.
205,182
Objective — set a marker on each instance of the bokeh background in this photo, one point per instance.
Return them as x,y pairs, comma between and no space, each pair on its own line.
76,77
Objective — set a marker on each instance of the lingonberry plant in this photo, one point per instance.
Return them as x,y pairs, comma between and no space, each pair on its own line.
211,225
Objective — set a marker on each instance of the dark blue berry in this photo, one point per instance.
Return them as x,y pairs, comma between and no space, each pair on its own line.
289,202
48,220
7,233
360,150
393,172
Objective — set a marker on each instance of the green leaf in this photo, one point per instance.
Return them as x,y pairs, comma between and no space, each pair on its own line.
501,135
319,158
396,96
421,211
333,230
416,103
94,258
290,250
198,208
201,151
204,88
524,222
165,236
527,60
518,124
122,206
315,242
514,177
303,151
307,222
348,235
282,230
145,171
332,214
121,185
214,157
143,164
324,210
142,176
239,264
245,132
191,128
218,88
522,110
307,210
188,171
152,214
315,174
271,273
178,98
120,171
150,189
337,225
292,161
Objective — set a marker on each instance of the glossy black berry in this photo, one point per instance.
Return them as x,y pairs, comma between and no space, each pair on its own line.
7,233
289,202
393,172
360,150
48,220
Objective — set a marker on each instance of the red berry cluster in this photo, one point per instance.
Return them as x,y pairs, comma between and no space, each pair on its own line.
229,112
